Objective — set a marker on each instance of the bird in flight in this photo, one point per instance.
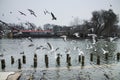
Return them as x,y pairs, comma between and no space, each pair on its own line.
32,12
76,34
53,16
22,13
110,5
2,14
46,12
10,12
64,37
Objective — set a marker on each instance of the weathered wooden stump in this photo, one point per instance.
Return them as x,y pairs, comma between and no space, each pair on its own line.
12,60
91,56
3,63
79,58
83,60
24,59
69,61
118,56
19,63
46,60
106,56
35,62
58,60
98,60
67,57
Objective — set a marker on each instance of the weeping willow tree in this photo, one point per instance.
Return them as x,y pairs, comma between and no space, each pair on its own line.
104,22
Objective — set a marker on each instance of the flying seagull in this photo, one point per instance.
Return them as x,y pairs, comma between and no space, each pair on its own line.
10,12
46,12
22,13
53,16
2,14
64,37
110,5
76,34
32,12
50,46
104,51
51,49
93,37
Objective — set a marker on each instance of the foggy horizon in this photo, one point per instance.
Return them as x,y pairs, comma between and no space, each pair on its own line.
65,11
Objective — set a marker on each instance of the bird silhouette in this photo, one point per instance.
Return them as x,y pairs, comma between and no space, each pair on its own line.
10,12
22,13
110,5
53,16
46,12
50,46
3,22
32,12
2,14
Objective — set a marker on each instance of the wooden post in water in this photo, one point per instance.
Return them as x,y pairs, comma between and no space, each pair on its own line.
69,61
58,60
118,56
46,60
19,63
106,56
91,56
3,63
12,60
83,60
35,60
79,58
67,57
24,59
98,60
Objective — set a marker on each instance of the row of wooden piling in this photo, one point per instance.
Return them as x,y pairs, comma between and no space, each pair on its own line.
81,59
105,57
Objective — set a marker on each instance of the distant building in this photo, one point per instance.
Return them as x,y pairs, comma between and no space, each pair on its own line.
32,33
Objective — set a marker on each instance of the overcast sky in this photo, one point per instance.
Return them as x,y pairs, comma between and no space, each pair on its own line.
64,10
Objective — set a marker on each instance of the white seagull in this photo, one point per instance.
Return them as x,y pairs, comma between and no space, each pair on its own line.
93,37
76,34
52,50
80,51
104,52
64,37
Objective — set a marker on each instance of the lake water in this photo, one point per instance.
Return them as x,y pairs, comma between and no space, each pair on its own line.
90,70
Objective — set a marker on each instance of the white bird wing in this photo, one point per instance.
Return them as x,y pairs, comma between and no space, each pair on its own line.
64,37
76,34
50,46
